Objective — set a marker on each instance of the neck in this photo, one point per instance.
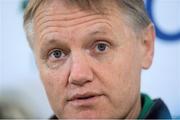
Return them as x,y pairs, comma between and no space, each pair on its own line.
133,114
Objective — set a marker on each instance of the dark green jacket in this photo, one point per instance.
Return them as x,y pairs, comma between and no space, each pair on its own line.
153,109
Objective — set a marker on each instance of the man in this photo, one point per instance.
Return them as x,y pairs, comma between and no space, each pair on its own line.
90,54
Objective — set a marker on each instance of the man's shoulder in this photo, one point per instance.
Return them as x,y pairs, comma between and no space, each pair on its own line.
153,109
158,110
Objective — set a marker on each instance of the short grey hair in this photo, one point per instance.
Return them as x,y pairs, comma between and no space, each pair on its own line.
134,9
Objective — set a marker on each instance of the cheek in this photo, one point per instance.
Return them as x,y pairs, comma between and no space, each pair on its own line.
55,82
121,78
123,70
127,71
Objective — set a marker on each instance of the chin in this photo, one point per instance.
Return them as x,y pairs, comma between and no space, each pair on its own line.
86,114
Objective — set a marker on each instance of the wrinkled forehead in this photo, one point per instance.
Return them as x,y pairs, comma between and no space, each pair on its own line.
57,17
60,10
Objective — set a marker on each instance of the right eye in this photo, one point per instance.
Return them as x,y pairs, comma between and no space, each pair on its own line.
56,54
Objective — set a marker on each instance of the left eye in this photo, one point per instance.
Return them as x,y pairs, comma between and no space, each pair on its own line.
101,47
56,54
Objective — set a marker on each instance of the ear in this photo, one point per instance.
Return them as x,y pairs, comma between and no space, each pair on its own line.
148,46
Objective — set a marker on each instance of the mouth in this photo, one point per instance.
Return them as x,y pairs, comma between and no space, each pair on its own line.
86,99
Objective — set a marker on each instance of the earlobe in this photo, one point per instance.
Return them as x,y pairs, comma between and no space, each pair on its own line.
148,44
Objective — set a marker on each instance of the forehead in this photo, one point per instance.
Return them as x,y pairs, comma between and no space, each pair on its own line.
57,13
95,5
53,18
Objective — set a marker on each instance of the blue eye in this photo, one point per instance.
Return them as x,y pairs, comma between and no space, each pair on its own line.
56,54
101,47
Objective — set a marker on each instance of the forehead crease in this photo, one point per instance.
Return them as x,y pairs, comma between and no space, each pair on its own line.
50,13
64,24
99,27
45,17
47,11
65,14
50,34
61,21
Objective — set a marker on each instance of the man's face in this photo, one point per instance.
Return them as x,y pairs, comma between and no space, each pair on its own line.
90,63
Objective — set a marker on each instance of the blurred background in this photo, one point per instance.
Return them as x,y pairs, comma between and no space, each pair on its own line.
21,92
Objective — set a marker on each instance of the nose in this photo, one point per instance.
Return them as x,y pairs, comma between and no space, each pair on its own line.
80,72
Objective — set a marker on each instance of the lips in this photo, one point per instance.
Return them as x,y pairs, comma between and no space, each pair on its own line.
84,99
84,96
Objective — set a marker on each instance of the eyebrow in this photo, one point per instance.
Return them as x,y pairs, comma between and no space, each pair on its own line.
97,32
53,42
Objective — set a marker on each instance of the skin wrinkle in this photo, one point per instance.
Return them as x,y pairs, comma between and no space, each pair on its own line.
63,26
67,24
65,19
103,28
62,20
43,33
64,16
45,11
